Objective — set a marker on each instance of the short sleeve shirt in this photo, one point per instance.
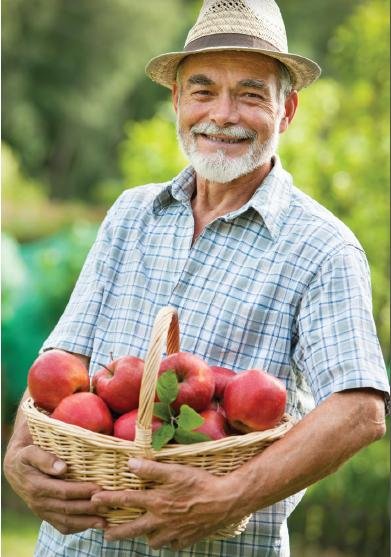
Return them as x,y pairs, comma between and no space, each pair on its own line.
279,284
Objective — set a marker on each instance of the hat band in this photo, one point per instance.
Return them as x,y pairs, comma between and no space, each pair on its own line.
230,40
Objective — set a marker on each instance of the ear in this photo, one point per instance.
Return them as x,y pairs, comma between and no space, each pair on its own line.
175,96
291,103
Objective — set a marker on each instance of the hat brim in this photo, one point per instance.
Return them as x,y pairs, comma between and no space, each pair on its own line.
163,68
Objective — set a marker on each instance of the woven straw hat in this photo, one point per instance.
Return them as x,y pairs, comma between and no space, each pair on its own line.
241,25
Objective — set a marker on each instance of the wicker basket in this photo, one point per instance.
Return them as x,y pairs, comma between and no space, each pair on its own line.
102,459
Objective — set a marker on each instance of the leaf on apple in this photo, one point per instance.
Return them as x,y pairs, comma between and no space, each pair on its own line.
188,418
162,436
185,437
167,386
162,410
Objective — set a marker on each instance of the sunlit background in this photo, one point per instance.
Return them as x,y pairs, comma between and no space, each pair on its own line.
81,123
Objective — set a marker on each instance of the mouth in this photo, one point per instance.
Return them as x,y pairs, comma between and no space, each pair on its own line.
223,139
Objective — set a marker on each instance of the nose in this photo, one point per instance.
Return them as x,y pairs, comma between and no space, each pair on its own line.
224,111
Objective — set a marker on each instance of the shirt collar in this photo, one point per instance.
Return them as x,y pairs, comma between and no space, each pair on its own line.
271,199
180,188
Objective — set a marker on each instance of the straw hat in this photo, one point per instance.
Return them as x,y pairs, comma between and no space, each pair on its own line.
242,25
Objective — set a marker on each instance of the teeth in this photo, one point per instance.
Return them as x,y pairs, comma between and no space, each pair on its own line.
221,140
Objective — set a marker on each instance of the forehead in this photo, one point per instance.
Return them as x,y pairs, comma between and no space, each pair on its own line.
230,65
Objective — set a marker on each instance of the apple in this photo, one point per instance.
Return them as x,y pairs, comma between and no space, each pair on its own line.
54,375
216,405
196,380
215,425
125,425
254,401
85,410
118,383
222,376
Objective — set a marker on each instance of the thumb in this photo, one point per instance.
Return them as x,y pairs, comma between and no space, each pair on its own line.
44,461
152,470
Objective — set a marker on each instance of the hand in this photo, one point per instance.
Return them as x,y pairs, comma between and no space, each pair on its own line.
35,475
188,505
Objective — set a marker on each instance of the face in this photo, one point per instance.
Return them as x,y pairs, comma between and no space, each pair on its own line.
229,113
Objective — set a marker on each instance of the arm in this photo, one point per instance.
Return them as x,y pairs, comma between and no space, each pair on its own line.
36,476
191,503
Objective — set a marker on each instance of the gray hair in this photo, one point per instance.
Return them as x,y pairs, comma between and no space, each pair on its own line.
284,81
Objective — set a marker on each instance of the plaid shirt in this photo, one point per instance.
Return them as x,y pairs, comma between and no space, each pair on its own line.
279,284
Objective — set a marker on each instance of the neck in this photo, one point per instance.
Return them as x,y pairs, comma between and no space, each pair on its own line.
214,199
221,198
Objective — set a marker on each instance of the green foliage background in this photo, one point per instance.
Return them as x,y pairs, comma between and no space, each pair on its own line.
81,123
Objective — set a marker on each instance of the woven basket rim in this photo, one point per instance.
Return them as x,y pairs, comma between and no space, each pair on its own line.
110,442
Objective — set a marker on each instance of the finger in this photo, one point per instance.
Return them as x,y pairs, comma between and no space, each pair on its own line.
141,526
66,490
75,507
42,460
152,470
72,524
104,500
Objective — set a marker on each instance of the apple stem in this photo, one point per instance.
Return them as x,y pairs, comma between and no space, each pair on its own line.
111,356
103,365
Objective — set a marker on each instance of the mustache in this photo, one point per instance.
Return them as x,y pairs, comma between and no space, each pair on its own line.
236,132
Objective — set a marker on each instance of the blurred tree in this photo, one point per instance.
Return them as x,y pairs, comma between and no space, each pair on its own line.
69,69
341,132
311,25
148,153
348,510
27,212
73,72
37,280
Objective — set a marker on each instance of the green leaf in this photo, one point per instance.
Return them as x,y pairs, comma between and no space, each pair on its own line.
162,436
188,418
167,386
185,437
162,410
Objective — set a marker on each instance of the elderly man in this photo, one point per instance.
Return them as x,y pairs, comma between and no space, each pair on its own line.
262,277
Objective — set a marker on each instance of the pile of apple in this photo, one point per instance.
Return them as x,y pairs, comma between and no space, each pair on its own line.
194,401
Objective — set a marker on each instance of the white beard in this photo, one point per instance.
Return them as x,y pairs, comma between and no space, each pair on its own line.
218,167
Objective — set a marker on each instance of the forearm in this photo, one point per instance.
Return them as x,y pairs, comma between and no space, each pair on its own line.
311,450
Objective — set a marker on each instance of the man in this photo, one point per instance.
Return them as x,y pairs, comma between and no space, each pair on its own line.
262,276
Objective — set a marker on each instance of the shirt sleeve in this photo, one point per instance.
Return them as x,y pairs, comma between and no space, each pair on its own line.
337,346
75,329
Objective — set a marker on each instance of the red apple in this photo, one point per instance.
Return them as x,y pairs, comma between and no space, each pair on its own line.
119,383
217,406
254,400
85,410
215,426
54,375
222,376
196,380
125,425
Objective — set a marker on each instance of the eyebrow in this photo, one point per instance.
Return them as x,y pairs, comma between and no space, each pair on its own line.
200,79
253,84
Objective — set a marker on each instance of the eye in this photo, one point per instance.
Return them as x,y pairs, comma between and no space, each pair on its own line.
255,96
202,92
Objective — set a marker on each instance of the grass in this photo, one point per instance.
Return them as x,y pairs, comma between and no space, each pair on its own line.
19,533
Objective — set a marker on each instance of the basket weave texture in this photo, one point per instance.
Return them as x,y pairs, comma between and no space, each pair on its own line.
102,459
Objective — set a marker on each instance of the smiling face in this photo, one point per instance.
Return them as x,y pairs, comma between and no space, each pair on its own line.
229,113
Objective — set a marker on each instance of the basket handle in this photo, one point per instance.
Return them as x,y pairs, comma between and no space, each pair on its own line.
165,331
